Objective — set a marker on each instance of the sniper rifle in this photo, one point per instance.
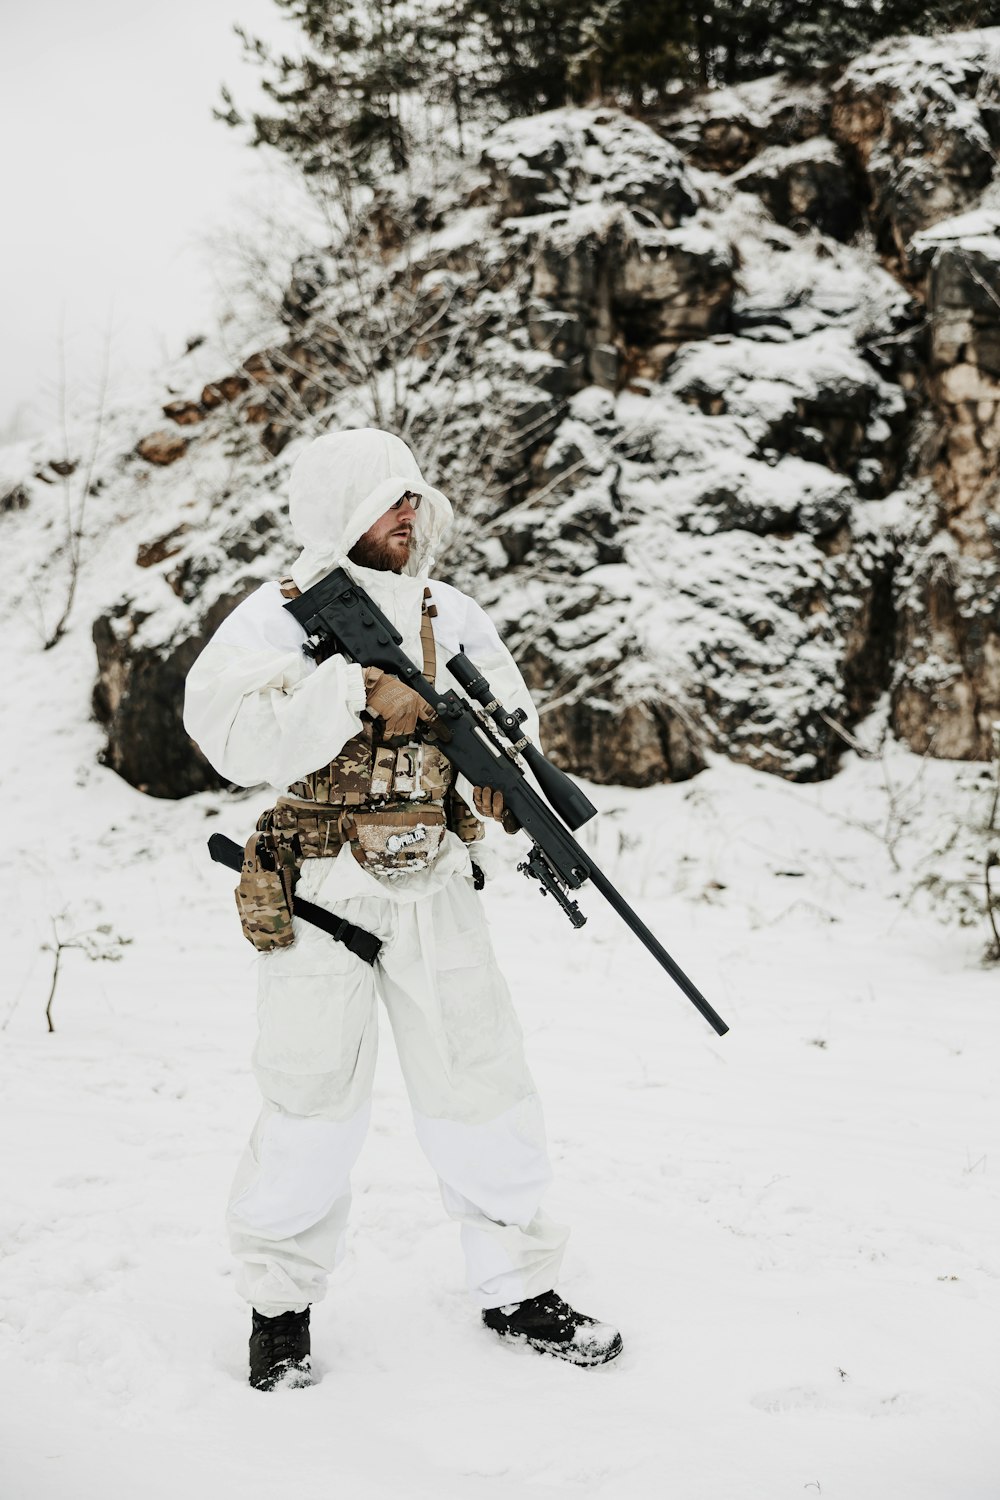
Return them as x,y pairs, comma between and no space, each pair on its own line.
487,745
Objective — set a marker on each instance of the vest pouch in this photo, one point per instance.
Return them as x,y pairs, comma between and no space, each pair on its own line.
264,896
421,773
395,839
307,830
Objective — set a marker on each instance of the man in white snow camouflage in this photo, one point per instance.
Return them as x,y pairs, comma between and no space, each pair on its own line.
263,711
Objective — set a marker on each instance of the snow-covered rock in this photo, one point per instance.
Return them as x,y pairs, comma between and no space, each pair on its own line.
723,476
920,113
808,184
569,157
721,130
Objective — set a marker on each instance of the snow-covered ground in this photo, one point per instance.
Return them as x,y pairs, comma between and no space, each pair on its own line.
795,1226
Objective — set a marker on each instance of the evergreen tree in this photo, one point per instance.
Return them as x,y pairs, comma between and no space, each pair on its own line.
373,76
633,50
341,104
527,47
741,39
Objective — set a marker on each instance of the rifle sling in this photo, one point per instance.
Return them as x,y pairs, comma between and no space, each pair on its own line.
364,945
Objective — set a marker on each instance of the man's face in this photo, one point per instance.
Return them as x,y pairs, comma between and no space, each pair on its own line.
386,545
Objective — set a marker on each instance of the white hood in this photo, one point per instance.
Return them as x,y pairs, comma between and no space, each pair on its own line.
340,485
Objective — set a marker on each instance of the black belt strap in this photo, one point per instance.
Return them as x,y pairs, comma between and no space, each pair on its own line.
364,944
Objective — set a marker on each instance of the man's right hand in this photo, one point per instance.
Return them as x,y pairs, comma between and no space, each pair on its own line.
398,706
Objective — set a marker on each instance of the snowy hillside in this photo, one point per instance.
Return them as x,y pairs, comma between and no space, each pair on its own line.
794,1225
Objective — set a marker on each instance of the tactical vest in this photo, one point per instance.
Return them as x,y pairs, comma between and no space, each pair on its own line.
391,803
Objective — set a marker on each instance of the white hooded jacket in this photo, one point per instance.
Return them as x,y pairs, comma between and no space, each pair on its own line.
262,711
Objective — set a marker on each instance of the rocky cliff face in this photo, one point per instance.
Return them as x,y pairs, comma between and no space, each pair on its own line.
717,396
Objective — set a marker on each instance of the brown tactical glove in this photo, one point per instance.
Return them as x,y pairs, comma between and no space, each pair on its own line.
398,706
490,805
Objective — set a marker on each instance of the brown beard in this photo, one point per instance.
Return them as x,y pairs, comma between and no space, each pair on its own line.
383,555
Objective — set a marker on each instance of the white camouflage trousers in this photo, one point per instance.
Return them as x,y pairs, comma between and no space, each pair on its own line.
477,1116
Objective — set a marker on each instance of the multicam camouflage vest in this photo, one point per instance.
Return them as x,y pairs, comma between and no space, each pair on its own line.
391,803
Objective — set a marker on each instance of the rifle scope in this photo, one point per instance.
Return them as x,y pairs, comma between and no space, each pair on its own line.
572,805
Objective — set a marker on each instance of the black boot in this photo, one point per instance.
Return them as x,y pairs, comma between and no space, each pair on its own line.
279,1351
551,1325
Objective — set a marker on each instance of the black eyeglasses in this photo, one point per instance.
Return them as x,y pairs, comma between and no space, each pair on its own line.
413,499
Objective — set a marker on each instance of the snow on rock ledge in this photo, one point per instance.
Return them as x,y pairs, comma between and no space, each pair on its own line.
921,114
572,156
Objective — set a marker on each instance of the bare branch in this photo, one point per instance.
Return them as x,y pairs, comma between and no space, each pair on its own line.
72,476
100,944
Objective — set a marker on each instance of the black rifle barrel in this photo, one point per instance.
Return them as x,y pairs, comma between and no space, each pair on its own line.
615,899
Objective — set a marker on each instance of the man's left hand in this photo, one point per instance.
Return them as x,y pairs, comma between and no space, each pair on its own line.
490,804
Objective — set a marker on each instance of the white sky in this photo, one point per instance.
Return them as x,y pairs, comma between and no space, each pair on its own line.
111,171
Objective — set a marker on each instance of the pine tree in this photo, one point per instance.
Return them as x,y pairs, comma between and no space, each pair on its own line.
633,50
741,39
375,77
527,45
339,106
